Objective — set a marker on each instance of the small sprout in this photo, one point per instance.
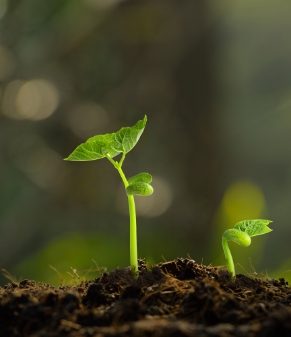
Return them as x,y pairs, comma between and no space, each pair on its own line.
109,146
241,234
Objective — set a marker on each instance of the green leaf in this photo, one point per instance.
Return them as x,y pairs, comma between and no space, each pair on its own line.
141,189
110,144
126,138
254,227
143,177
95,148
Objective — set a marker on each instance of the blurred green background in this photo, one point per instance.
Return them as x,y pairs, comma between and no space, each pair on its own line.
214,79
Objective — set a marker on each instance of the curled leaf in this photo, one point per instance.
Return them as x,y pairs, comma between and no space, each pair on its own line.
142,189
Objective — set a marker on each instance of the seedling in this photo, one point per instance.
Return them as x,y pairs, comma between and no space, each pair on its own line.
241,234
108,146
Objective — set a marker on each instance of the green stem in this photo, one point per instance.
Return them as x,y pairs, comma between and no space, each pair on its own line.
133,237
122,175
121,160
132,217
114,163
239,237
228,256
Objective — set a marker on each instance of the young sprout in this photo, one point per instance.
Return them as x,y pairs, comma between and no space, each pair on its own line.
241,234
108,146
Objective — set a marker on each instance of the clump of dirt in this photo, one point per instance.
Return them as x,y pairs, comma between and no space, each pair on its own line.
179,298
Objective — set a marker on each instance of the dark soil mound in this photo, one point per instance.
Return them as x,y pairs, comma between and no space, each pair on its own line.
175,299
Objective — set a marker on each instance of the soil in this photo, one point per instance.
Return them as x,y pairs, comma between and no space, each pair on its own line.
179,298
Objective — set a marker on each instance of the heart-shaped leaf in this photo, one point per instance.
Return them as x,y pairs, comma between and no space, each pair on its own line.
110,144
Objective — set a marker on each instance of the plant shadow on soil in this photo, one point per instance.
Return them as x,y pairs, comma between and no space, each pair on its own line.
179,298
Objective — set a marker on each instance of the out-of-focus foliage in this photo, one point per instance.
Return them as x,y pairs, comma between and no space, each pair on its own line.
89,254
77,251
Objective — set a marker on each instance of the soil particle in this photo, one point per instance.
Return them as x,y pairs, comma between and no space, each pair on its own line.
179,298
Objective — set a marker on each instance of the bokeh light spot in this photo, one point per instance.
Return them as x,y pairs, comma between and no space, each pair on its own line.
150,206
36,99
42,165
8,100
87,119
243,200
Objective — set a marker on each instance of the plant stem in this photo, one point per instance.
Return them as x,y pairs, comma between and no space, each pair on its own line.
114,163
121,160
133,236
132,217
228,256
